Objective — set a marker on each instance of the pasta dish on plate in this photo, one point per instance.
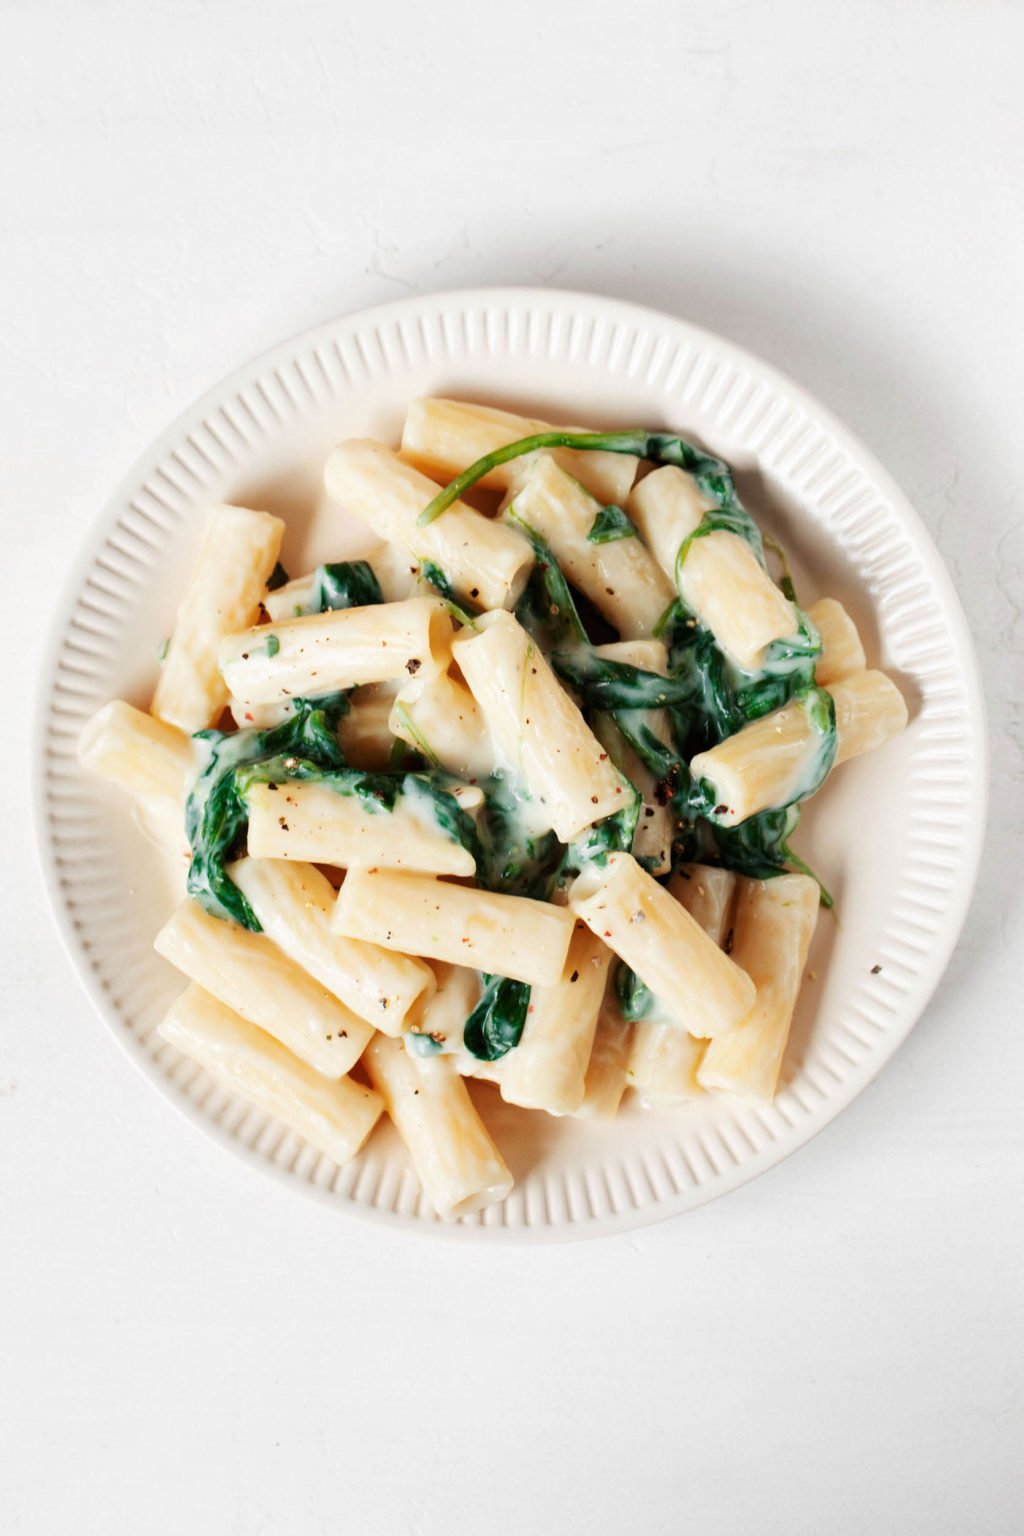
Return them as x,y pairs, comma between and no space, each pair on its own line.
511,798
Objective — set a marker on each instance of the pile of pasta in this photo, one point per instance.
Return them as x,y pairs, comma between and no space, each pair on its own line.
510,798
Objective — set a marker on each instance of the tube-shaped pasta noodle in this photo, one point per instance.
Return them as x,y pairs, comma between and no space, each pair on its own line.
153,761
649,655
621,578
443,437
294,904
608,1068
774,760
245,713
547,1069
697,985
334,1116
444,1020
450,1005
773,927
724,583
655,826
293,600
770,762
841,650
249,973
667,506
312,822
324,652
455,1160
228,580
138,753
870,710
364,733
664,1058
539,734
503,935
721,579
439,716
486,562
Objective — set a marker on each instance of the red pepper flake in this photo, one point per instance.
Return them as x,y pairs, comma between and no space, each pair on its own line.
593,799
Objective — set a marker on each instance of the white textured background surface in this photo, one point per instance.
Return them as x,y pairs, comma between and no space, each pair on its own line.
836,1348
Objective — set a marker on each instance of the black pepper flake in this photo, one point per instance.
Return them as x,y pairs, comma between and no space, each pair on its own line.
875,970
413,666
720,810
273,787
282,824
648,810
474,591
245,655
575,976
727,946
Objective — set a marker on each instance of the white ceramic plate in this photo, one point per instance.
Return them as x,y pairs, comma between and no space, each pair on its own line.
896,836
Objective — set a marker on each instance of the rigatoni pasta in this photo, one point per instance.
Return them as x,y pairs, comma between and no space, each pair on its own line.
485,562
335,1115
235,561
538,734
294,905
504,935
251,975
664,1059
324,652
774,924
698,986
618,574
511,797
307,821
442,436
455,1159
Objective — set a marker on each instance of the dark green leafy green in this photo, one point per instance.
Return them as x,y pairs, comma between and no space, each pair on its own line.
759,847
277,578
509,856
442,585
496,1023
634,997
609,525
345,584
603,684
